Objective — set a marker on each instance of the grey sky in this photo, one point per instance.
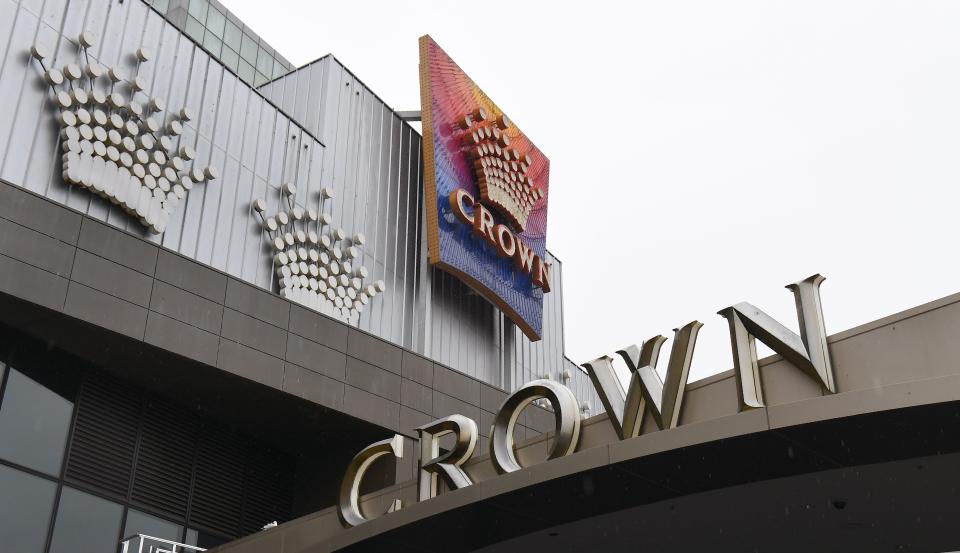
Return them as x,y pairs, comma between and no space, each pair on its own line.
702,153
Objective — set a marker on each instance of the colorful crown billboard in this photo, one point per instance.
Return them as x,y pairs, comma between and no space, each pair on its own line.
486,190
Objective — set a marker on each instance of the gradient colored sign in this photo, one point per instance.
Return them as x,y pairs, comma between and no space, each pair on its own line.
485,192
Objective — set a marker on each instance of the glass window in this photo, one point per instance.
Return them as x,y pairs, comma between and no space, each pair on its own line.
195,29
248,50
25,507
215,22
198,9
246,72
34,422
232,36
212,44
85,524
230,58
278,69
265,62
260,79
142,523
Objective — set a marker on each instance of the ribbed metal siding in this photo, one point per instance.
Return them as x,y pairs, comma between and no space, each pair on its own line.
546,358
372,164
464,329
255,145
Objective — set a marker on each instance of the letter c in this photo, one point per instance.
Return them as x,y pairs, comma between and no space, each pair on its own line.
349,505
460,199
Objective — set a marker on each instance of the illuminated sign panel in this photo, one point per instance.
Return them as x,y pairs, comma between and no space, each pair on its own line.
486,191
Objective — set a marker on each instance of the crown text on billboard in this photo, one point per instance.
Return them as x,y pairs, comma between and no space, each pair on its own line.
509,245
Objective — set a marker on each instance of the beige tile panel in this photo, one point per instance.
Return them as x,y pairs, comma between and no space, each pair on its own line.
717,429
895,396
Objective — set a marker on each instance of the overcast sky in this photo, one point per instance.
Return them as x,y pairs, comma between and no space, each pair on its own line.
702,153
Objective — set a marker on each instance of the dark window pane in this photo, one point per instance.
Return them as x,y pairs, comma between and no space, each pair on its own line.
85,524
34,422
142,523
26,503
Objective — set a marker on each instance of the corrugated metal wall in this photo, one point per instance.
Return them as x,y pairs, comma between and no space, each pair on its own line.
546,358
372,163
255,146
317,127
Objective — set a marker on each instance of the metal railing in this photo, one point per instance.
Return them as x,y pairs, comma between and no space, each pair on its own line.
142,543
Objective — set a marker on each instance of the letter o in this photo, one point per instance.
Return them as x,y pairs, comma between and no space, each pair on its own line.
566,412
506,243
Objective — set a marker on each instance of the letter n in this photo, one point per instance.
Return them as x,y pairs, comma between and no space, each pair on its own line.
808,351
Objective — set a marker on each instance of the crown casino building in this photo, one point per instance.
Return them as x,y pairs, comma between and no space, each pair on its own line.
248,306
164,369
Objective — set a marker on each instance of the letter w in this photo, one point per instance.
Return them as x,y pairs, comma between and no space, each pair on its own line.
626,402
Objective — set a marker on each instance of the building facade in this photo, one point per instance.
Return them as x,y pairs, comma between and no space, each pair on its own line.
146,374
215,291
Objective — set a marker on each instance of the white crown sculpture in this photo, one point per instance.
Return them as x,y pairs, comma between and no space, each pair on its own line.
117,147
317,265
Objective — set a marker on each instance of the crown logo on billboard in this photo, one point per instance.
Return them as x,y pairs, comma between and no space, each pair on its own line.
317,264
116,142
500,169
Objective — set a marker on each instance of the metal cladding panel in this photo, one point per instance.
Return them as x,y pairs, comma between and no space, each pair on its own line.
371,163
332,132
254,145
546,358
